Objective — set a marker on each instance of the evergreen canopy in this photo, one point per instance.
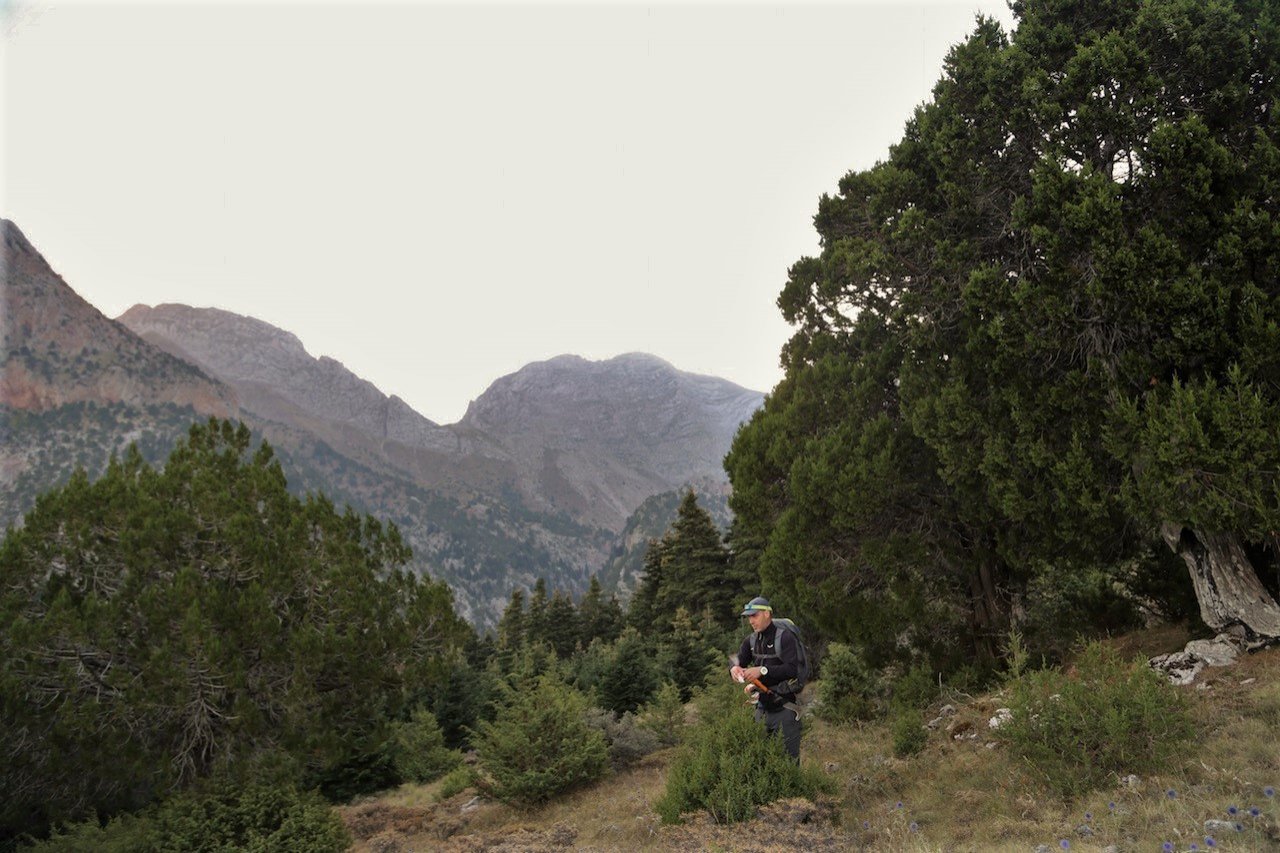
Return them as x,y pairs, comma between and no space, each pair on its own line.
159,626
1045,329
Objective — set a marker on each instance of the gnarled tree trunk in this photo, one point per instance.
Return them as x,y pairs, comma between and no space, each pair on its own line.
1227,585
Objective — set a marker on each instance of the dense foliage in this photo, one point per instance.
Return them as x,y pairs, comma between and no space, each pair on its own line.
540,744
1101,720
1043,331
164,625
690,567
727,768
256,817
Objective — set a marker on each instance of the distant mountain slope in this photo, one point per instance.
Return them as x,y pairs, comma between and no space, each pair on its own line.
59,349
595,438
588,440
537,481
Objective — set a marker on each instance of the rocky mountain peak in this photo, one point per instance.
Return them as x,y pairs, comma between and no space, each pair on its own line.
59,349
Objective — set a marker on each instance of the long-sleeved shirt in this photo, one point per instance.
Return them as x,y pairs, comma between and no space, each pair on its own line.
776,649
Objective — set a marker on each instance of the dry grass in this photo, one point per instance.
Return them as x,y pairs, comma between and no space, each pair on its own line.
962,793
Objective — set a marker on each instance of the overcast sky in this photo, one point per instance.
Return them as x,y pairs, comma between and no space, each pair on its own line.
436,195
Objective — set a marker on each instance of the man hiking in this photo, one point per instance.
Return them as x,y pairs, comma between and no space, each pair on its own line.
772,657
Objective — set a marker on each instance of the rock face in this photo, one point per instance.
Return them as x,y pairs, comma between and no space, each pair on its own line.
277,378
59,349
594,439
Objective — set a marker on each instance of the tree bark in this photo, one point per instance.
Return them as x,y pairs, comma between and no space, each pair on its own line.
1226,583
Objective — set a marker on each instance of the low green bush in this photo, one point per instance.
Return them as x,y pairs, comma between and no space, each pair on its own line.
848,687
1105,717
729,767
255,818
455,782
664,715
539,744
418,751
909,736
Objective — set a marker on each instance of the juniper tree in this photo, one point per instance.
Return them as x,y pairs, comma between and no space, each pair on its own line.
159,626
1042,332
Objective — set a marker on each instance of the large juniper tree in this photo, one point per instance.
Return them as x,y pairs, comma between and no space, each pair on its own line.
158,626
1042,335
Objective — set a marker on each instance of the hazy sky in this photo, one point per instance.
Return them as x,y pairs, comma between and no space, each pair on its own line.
436,195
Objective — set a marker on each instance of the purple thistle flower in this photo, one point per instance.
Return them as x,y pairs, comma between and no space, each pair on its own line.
914,827
866,824
1064,844
1231,810
1088,817
1268,791
1254,811
1209,842
1239,827
1194,846
1111,806
899,805
1171,794
1167,847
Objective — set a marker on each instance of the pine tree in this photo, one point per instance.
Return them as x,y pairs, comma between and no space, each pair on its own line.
511,627
597,618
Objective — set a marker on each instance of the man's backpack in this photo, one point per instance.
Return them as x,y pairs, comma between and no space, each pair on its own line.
793,685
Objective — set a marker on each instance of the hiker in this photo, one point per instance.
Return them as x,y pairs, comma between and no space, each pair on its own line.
773,656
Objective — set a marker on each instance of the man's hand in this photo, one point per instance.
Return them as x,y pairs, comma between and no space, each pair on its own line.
751,672
736,672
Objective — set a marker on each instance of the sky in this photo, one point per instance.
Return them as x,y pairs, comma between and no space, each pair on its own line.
437,194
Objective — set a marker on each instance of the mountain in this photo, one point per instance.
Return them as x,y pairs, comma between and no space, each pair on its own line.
537,480
59,349
585,440
76,386
595,438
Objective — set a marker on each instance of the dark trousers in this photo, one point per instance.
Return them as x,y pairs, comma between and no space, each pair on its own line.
786,722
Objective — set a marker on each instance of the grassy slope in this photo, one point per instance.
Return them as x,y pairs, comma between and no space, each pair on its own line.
962,792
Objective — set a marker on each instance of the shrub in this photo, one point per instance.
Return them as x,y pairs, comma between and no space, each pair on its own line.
256,818
847,685
418,751
627,741
455,782
914,689
664,715
909,737
1104,717
729,767
539,744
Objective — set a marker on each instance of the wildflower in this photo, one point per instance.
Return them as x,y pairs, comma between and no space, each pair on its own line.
1171,794
1111,806
1209,842
1088,817
1268,791
1194,846
1239,827
914,827
1167,847
899,805
1064,844
866,824
1232,810
1254,811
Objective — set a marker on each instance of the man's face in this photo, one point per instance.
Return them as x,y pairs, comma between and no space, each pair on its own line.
759,619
